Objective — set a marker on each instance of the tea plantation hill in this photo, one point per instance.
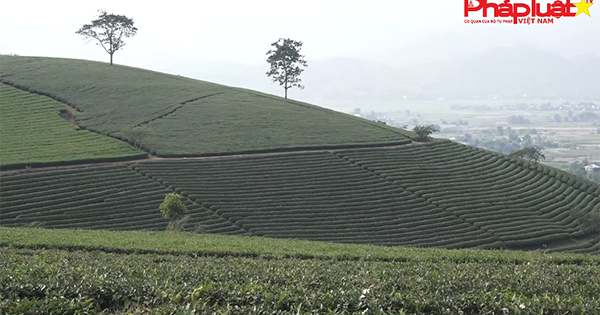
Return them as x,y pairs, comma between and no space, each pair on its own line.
169,115
350,181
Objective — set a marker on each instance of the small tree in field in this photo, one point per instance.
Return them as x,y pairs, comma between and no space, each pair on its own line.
174,209
424,132
109,30
285,61
532,154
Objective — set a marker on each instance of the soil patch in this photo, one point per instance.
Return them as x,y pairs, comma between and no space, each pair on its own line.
69,114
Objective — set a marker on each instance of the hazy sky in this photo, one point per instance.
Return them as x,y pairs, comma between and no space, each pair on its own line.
241,31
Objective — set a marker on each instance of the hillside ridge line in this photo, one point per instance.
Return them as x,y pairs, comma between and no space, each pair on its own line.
240,155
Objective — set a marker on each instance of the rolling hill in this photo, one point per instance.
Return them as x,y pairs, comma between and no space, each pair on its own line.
351,180
168,115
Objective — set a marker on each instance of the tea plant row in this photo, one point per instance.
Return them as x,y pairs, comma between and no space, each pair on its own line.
440,194
53,281
521,204
34,133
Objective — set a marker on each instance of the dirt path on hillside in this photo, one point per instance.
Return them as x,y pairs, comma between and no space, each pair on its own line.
69,115
200,158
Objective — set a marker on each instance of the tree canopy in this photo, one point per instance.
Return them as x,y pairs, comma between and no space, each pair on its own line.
286,63
173,208
424,132
110,30
532,154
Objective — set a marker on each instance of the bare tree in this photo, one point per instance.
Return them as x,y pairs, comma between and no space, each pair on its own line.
109,30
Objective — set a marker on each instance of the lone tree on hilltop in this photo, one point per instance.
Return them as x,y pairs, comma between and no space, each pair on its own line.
174,209
424,132
109,30
532,154
286,62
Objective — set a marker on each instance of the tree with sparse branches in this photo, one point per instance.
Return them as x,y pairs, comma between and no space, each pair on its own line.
110,30
532,154
286,62
424,132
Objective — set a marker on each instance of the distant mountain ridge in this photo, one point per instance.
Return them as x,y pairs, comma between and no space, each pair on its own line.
514,73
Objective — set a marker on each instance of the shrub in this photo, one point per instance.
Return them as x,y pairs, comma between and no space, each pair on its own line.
424,132
173,208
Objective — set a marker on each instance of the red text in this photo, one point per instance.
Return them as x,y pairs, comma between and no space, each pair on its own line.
557,9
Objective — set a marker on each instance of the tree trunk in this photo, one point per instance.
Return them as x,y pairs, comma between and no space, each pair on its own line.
286,86
111,59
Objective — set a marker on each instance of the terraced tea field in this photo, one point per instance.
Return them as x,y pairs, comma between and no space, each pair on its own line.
439,194
170,115
350,181
32,132
103,197
519,203
238,122
314,196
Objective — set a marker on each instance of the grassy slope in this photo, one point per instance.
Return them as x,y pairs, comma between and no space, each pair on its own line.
33,133
173,115
160,273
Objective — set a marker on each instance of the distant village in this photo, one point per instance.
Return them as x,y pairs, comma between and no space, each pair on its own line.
581,106
375,116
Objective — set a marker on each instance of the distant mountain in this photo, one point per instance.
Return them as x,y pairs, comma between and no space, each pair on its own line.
515,72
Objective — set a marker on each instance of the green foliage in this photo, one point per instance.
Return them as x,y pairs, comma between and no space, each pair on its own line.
184,117
589,222
192,244
424,132
286,61
66,282
33,132
135,135
532,154
173,208
109,30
